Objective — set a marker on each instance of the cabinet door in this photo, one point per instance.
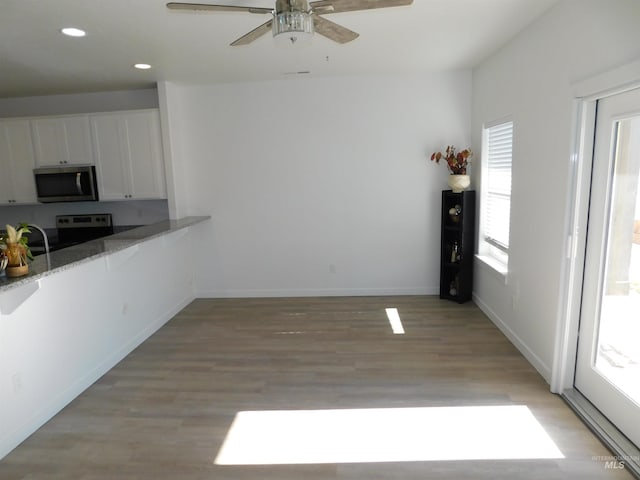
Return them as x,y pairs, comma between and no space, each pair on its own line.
110,150
129,155
146,164
62,140
17,184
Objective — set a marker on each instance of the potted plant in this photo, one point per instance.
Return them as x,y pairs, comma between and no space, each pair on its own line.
14,246
457,163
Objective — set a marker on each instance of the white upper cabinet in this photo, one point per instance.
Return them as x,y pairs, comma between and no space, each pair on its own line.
17,184
128,153
62,140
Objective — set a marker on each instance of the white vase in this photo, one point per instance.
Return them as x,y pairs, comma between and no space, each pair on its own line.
459,183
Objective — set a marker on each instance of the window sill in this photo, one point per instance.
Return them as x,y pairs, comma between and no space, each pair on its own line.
498,269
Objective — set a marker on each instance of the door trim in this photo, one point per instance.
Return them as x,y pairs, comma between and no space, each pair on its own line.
572,269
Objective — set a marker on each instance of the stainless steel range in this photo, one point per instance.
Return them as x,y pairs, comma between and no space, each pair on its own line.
70,230
75,229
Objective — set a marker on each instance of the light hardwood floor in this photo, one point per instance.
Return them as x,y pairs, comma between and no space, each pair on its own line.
164,411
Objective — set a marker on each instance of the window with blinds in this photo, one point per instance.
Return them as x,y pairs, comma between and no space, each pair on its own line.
496,185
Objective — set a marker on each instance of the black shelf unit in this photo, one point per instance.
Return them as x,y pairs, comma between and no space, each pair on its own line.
457,245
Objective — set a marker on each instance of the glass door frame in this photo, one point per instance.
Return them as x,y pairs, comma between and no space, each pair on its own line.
609,302
584,96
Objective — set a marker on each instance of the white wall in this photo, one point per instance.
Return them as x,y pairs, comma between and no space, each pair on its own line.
318,186
531,80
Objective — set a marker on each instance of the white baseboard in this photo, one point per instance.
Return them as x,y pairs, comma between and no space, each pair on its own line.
532,358
316,292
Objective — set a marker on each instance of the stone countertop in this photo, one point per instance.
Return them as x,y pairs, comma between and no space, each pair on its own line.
72,256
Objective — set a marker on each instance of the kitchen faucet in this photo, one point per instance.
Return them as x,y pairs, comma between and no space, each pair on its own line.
46,241
44,236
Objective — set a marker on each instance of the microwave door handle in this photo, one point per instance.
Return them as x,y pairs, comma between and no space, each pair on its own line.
79,183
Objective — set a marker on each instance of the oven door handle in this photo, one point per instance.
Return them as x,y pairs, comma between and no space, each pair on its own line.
79,183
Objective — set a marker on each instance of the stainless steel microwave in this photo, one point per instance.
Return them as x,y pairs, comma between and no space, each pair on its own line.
66,184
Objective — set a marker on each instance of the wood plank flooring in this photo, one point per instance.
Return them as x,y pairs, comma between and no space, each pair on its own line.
164,411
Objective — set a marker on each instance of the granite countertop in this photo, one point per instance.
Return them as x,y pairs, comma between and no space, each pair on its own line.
69,257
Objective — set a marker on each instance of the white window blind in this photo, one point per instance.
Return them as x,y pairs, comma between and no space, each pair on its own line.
497,208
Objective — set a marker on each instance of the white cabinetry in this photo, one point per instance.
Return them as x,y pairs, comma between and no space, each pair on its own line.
128,153
62,140
17,184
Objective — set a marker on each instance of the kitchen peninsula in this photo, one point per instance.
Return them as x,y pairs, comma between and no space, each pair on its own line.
80,311
72,256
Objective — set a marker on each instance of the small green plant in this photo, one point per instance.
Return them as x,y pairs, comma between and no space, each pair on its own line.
15,235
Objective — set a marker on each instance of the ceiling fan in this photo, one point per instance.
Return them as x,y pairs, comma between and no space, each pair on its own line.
296,20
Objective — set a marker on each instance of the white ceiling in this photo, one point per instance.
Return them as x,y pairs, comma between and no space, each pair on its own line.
36,59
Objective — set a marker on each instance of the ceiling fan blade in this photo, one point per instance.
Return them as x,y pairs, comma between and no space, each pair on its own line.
333,31
354,5
253,34
215,8
322,9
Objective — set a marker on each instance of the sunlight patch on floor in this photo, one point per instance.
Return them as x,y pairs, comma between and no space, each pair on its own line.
385,435
394,321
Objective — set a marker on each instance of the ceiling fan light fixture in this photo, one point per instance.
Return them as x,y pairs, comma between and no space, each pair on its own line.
295,21
293,27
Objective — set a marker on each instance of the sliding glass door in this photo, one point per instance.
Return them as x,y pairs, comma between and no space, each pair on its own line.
608,362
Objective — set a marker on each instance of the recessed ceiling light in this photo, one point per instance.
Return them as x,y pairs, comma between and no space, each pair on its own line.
142,66
73,32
